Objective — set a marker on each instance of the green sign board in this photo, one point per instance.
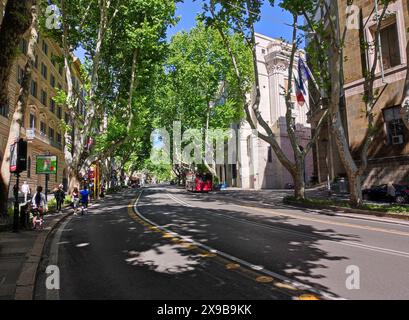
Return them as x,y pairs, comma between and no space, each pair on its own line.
46,164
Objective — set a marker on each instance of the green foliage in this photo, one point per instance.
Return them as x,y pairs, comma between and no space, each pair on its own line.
197,83
345,204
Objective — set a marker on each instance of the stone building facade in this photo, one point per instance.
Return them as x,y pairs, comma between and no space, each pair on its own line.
43,118
258,166
389,153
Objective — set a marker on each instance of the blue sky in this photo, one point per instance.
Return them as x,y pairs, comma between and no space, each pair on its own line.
272,23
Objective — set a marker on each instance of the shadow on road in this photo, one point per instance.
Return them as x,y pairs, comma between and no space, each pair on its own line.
289,249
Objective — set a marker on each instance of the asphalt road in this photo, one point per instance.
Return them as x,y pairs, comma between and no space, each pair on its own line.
178,245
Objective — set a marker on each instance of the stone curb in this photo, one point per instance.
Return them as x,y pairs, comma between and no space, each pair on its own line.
27,278
347,210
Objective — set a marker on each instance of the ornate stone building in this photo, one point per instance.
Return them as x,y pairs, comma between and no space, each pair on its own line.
43,117
258,166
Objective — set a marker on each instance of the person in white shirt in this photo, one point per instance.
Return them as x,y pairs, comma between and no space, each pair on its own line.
25,188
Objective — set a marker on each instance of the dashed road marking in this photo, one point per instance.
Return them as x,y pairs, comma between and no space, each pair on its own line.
264,279
236,263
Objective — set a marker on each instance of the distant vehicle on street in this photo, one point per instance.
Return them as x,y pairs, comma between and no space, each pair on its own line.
199,182
380,194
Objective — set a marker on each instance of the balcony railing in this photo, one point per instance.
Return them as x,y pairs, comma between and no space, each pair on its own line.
36,134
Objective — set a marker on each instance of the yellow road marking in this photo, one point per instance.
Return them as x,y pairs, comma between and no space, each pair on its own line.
208,255
188,246
232,266
287,286
308,297
264,279
342,224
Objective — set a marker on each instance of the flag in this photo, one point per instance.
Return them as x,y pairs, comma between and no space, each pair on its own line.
303,75
299,93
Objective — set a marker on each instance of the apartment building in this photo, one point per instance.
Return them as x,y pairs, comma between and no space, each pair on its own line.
389,152
43,118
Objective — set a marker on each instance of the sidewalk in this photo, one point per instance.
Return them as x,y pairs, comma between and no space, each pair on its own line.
20,254
274,199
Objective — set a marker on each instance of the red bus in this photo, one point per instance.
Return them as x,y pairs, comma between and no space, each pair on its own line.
199,182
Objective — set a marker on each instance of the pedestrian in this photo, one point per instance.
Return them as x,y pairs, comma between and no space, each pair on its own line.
75,200
25,189
39,204
59,196
84,198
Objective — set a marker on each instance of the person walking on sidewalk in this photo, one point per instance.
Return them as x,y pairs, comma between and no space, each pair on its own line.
25,189
39,204
75,200
59,196
84,198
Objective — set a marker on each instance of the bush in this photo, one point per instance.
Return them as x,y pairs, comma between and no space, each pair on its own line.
394,208
52,204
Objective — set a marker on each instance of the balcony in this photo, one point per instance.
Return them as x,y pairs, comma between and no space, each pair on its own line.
34,134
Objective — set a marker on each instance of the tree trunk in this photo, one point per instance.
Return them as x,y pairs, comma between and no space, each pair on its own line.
299,179
337,128
18,114
355,189
74,180
17,20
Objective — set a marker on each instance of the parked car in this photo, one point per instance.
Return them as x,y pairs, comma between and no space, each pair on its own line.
380,194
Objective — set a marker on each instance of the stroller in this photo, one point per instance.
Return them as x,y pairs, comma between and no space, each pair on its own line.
37,218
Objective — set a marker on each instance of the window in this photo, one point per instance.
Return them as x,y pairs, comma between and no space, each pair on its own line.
52,105
67,118
33,121
44,97
51,133
43,128
4,110
263,51
390,46
60,70
33,89
59,138
23,46
52,81
44,70
270,154
20,75
59,113
394,126
45,48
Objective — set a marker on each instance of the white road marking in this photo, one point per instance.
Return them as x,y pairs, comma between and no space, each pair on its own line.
53,258
227,256
341,242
